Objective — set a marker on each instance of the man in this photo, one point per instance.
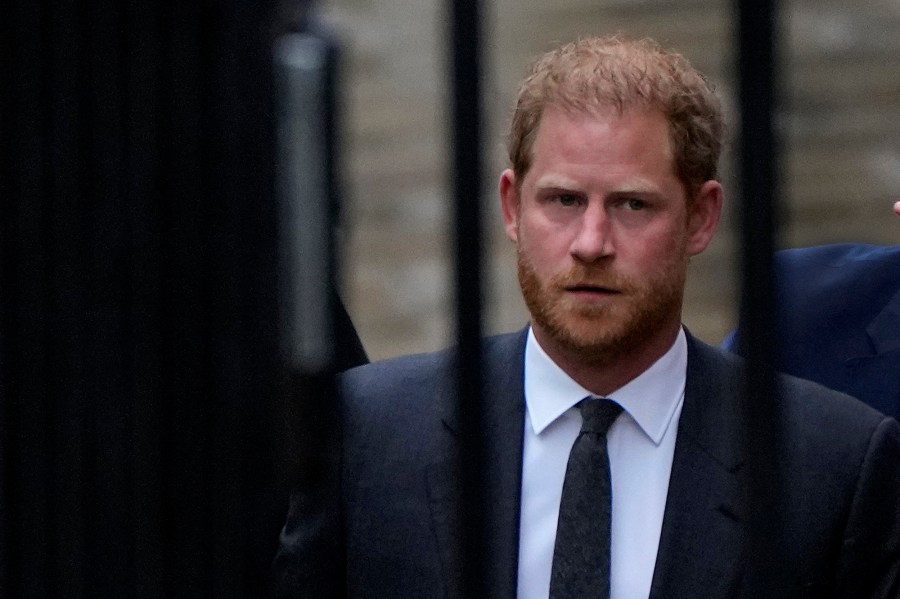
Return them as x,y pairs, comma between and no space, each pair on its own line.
838,319
614,145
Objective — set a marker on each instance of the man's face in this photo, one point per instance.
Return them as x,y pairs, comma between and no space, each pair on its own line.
604,234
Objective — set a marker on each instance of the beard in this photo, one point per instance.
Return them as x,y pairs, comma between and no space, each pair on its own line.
601,333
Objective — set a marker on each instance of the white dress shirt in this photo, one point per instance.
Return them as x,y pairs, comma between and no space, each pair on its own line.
641,444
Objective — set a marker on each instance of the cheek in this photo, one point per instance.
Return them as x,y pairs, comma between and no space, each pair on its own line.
542,244
657,249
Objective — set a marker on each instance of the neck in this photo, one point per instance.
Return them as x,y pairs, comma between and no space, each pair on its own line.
603,378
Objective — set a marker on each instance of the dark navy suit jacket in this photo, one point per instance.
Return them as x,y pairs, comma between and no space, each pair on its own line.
384,523
838,320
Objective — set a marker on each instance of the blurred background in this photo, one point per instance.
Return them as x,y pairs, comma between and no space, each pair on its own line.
839,97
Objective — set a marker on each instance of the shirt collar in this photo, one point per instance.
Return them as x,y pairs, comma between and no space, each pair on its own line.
651,399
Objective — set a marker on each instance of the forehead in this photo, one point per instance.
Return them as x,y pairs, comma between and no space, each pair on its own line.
603,142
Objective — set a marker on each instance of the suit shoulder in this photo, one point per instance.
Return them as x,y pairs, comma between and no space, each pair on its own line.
805,404
830,410
432,370
840,254
406,371
834,266
410,396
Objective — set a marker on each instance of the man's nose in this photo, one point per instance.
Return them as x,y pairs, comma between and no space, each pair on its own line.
593,239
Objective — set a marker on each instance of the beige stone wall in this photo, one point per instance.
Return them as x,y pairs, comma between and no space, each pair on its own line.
840,119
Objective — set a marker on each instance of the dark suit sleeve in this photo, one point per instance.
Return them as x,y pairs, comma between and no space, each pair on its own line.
731,342
310,562
870,558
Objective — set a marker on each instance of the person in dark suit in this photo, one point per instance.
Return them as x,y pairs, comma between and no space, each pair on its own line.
614,147
838,320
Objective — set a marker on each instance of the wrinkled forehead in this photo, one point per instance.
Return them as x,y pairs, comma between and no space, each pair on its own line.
606,113
597,140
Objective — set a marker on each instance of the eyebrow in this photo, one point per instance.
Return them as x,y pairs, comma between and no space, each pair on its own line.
561,182
651,193
555,182
564,185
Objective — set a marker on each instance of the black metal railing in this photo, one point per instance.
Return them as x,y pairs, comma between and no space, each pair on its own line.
757,38
138,353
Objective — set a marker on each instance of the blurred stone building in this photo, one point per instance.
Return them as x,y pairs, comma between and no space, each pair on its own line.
839,119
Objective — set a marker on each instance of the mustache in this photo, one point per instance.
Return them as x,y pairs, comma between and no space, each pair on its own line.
592,277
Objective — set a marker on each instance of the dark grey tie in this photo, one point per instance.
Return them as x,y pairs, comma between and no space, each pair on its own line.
581,554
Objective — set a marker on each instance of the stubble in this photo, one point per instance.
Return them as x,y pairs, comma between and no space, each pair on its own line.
604,332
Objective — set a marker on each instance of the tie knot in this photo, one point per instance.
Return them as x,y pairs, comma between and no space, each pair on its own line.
598,414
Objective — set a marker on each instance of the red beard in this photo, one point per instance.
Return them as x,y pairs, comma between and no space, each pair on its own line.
600,333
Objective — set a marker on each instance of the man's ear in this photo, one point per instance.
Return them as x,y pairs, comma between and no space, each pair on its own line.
703,217
509,202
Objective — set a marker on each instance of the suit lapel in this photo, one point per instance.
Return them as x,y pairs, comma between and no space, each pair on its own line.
884,330
701,544
502,423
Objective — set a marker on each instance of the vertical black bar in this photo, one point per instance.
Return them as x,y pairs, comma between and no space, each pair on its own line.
24,491
306,198
467,179
137,344
305,62
758,169
143,99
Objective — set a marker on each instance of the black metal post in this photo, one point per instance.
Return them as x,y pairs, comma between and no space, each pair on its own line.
758,62
467,186
138,353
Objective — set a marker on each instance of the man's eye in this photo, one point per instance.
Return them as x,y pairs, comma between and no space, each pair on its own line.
567,199
634,204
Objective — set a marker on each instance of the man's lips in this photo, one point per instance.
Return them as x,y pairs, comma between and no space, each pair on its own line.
592,289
